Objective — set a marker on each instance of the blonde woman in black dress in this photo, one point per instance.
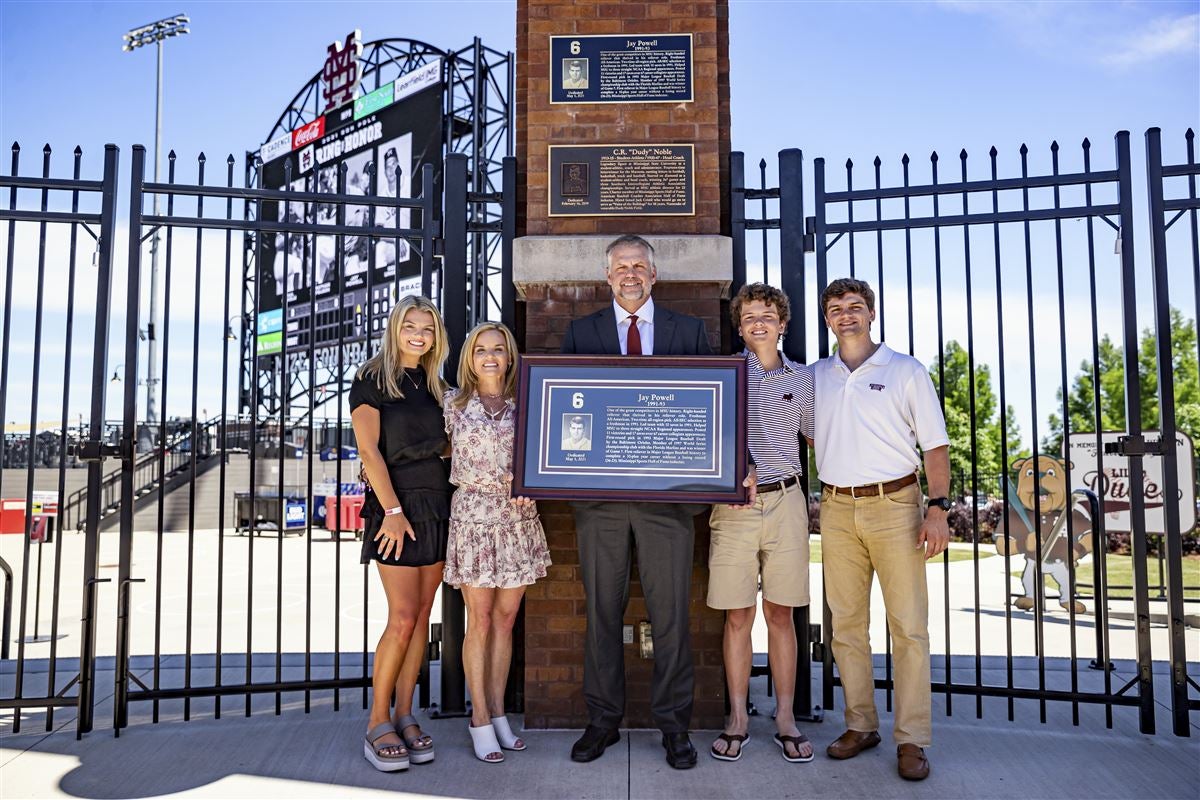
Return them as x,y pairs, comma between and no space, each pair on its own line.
395,407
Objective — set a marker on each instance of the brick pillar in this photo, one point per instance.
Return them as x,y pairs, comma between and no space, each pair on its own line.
559,270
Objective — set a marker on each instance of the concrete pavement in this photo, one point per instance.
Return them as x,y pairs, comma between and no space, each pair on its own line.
318,754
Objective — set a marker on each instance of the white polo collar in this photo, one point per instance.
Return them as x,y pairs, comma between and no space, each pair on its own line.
880,358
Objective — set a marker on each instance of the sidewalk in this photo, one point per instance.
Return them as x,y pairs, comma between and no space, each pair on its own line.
298,755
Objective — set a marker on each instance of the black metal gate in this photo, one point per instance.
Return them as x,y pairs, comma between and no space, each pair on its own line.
1019,261
1010,256
1161,219
202,617
57,280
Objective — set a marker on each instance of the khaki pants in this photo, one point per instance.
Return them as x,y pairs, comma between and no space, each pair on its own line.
859,538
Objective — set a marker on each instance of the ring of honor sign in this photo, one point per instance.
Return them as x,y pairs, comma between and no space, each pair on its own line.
383,139
654,428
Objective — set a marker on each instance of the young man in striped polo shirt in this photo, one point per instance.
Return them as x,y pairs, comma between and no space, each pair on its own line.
768,537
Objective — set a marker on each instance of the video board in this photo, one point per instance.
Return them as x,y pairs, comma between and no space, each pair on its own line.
313,288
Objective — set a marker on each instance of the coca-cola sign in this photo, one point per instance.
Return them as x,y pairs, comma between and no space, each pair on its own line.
1112,484
308,133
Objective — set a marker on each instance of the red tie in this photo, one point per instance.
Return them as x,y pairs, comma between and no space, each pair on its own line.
633,344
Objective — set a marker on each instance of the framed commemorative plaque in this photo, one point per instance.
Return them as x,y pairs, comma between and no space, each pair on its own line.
626,180
639,68
664,429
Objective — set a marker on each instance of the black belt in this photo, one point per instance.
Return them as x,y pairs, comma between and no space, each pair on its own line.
775,486
872,489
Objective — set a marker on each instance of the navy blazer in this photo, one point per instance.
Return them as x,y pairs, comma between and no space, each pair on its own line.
674,334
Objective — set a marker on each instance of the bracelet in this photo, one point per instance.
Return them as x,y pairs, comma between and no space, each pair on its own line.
392,512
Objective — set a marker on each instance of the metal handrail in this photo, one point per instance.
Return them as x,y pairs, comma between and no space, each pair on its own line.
8,601
1100,593
111,483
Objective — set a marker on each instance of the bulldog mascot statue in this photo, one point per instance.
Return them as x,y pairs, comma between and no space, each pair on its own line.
1049,485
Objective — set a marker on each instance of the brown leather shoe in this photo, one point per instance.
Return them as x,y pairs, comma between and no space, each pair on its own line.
851,743
911,762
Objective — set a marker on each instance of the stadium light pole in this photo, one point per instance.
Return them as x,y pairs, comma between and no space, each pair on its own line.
155,33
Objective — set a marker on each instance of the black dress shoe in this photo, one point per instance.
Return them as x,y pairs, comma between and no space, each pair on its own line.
591,745
680,753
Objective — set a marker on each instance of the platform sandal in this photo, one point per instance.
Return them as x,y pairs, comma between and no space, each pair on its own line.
420,747
384,757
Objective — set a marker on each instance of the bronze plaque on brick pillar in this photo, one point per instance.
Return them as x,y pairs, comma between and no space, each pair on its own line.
626,180
646,68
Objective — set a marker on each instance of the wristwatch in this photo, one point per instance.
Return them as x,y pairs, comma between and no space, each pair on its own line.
938,502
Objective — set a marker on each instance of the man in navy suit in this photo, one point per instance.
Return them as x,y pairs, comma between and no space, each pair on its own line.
662,533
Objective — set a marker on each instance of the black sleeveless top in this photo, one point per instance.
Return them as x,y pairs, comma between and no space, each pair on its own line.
412,438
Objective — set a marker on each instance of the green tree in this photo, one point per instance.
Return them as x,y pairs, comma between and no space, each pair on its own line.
1081,399
989,457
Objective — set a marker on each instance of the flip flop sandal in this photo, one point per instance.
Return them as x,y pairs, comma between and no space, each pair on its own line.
378,755
420,747
783,740
483,740
730,739
504,734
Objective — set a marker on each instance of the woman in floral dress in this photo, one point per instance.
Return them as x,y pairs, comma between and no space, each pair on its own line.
497,546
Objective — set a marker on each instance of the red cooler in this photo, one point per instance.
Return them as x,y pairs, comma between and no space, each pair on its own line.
350,518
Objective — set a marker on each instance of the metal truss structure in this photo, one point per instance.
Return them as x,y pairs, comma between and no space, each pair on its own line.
477,113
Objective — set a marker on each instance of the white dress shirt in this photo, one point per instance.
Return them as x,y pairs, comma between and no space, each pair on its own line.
645,323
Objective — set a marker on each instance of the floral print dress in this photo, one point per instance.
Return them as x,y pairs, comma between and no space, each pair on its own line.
493,543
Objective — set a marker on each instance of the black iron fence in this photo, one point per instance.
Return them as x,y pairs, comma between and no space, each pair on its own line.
90,209
1164,212
1002,277
232,641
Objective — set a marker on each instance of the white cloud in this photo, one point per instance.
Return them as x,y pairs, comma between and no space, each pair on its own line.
1164,36
1115,35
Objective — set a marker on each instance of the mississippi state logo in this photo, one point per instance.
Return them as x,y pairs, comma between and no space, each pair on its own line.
341,72
876,387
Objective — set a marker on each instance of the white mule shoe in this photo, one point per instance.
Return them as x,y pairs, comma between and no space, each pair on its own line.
504,734
483,739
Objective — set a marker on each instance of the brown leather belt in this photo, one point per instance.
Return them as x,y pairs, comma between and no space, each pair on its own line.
872,489
775,486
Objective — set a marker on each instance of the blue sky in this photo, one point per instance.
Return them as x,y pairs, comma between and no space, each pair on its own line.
838,80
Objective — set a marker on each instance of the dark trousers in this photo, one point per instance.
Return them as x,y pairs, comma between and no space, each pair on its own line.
664,536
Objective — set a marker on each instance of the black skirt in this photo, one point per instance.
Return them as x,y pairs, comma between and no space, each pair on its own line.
424,490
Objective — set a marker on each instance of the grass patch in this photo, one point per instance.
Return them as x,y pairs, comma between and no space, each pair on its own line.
1120,573
814,549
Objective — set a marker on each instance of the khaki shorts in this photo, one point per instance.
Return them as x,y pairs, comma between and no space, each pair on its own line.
769,539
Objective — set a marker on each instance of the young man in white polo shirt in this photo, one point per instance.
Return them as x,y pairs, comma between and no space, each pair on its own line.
874,408
766,540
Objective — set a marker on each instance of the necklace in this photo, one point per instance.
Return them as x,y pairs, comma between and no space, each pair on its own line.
414,381
493,405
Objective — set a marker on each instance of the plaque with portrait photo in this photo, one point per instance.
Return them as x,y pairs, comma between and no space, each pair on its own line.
635,68
665,429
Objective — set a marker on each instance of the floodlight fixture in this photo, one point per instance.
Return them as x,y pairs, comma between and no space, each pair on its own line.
156,32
